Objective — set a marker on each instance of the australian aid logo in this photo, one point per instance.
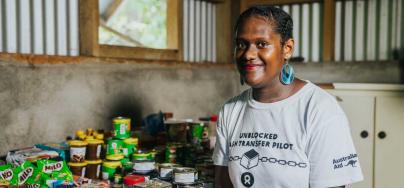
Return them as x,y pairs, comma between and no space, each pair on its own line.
49,168
24,175
6,174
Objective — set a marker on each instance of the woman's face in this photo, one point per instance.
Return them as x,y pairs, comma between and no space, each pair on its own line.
259,53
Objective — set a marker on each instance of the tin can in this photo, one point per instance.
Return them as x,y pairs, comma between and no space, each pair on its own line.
189,185
173,153
166,170
121,127
77,150
185,175
140,156
197,131
118,179
129,146
176,130
144,166
114,146
78,169
109,168
93,169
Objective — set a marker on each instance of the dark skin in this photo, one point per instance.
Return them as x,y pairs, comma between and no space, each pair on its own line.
260,55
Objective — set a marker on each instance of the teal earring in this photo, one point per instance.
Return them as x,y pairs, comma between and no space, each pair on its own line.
287,74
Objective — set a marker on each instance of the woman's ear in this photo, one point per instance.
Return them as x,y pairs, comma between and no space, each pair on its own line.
288,48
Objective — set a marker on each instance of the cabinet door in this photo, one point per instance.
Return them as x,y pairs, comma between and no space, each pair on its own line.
360,113
389,152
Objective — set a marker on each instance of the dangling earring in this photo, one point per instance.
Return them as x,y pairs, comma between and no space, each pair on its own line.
241,80
287,74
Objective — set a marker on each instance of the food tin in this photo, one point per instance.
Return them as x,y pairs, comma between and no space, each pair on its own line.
93,169
166,170
129,146
121,127
78,169
144,166
140,156
197,131
114,146
109,168
185,175
176,130
93,151
189,185
77,150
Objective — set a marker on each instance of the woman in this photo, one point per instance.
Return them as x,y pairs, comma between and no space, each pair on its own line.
283,132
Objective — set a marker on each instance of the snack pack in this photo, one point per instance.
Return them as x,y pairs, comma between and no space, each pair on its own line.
6,172
56,171
27,174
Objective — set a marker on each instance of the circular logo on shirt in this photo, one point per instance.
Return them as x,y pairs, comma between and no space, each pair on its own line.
247,179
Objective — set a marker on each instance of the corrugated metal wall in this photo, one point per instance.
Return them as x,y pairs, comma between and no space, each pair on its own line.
39,27
51,27
306,30
365,29
368,30
199,29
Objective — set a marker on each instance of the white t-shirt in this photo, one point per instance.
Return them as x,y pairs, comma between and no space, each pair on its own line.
299,142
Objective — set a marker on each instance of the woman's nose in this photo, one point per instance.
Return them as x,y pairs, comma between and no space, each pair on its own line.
250,53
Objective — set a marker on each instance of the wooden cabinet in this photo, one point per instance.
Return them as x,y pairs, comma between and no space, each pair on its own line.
389,148
376,116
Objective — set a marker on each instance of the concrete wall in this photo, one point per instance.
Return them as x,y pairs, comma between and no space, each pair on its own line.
46,103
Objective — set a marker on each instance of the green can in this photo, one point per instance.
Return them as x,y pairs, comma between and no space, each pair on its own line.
197,130
140,156
129,146
121,127
114,146
152,154
109,168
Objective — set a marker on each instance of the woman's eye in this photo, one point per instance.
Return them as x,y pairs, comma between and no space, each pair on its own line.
262,44
241,45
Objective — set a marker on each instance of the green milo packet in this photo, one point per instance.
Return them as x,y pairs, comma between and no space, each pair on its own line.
23,173
6,172
56,169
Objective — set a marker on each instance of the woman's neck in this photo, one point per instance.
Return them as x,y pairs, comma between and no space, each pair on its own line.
276,91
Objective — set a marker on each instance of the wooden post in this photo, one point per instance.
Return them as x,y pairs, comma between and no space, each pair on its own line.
174,26
223,32
328,30
88,27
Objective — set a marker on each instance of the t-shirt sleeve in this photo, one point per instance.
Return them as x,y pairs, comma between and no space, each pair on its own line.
220,153
331,153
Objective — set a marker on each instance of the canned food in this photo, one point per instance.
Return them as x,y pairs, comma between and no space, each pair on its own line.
166,170
114,146
129,146
121,127
185,175
115,157
173,153
144,166
93,150
176,130
109,168
78,169
77,150
197,131
189,185
117,179
93,169
140,156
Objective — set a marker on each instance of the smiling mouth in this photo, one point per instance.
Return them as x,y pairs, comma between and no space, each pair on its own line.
251,67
